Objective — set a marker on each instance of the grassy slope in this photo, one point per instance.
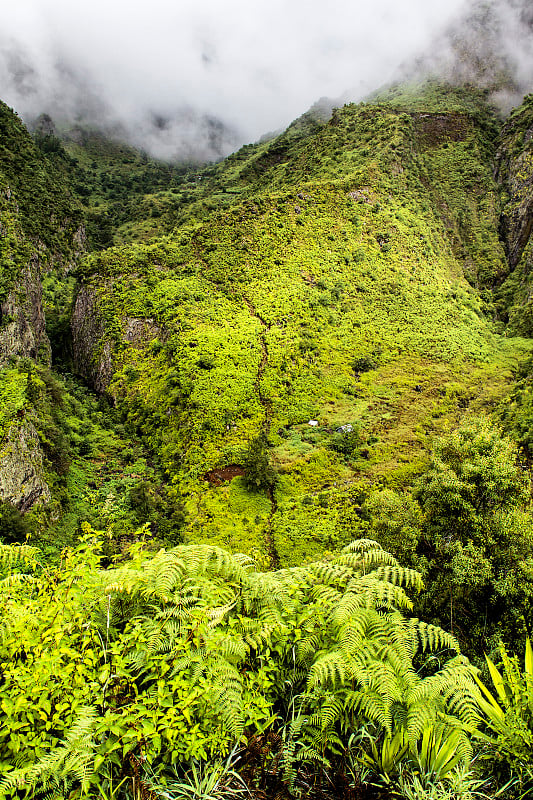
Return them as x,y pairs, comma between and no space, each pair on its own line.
338,249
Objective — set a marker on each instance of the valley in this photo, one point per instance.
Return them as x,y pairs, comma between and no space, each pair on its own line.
248,409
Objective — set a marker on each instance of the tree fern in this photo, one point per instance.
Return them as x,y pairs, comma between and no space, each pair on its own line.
195,636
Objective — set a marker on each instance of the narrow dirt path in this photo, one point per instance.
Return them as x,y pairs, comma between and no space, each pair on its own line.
266,402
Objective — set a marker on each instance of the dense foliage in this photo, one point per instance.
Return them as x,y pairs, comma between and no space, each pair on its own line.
186,654
467,527
264,385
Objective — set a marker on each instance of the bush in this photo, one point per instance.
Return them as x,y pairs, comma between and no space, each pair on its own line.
259,473
509,716
346,442
13,525
366,363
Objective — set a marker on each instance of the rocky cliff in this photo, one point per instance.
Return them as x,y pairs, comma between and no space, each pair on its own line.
514,172
22,320
92,349
22,472
40,230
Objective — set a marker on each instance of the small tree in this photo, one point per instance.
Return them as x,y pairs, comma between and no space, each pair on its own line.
474,473
259,473
13,525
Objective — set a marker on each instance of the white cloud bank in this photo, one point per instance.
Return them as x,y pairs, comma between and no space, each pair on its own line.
165,69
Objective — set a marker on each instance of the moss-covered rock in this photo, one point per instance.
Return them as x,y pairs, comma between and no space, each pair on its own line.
22,479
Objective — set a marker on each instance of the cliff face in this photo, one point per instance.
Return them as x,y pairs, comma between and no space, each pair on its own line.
40,229
95,349
22,320
22,480
515,173
92,351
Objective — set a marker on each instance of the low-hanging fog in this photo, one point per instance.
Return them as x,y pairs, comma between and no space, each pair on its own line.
197,78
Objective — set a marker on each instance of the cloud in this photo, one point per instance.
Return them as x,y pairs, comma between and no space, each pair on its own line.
186,77
489,44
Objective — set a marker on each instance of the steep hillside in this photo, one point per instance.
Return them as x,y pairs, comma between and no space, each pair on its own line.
308,330
62,458
41,227
515,173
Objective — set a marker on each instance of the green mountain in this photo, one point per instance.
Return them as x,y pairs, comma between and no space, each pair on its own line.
327,302
246,408
303,320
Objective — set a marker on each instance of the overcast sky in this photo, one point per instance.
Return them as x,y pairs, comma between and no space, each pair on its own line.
254,64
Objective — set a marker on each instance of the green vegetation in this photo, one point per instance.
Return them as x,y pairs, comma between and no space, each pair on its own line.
127,195
48,211
169,658
467,528
510,716
258,471
313,365
334,294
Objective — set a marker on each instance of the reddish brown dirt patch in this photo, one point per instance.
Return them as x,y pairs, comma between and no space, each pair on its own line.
216,477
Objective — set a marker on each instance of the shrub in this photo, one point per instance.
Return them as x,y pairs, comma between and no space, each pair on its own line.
509,716
13,526
259,473
346,442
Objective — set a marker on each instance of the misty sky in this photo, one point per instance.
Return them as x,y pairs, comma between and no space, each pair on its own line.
254,65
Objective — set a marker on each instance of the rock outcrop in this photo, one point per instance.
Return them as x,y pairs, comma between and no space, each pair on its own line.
515,173
22,481
93,348
92,352
22,321
41,228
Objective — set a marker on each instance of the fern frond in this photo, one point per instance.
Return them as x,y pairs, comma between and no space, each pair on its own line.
72,759
432,637
16,579
399,576
306,648
376,707
328,669
379,593
13,554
